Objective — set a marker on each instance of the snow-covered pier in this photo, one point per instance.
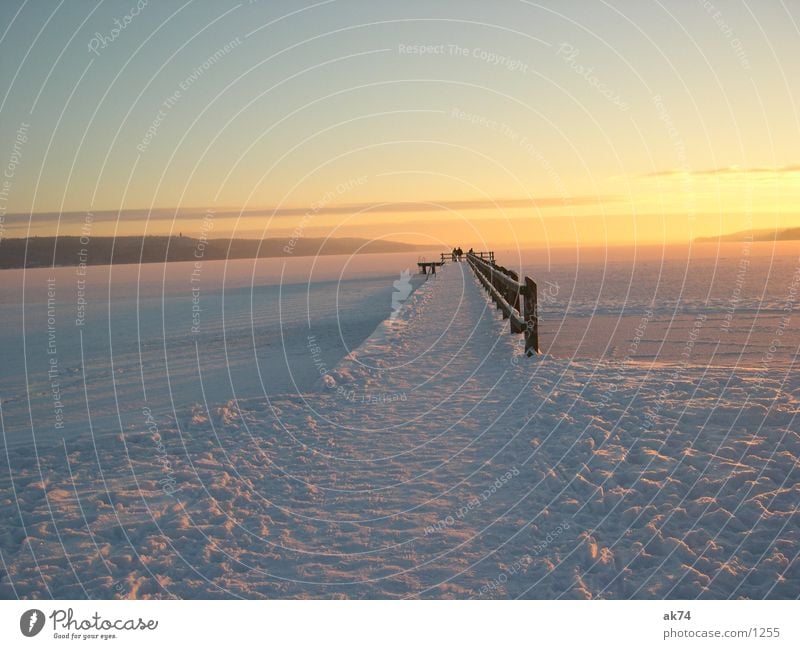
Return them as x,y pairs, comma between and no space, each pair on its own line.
435,460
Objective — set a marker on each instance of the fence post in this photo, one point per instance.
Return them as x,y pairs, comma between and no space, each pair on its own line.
513,296
499,287
531,317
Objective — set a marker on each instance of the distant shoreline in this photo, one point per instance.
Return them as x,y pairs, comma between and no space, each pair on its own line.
787,234
67,251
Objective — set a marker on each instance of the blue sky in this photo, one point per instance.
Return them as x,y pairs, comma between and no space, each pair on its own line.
512,100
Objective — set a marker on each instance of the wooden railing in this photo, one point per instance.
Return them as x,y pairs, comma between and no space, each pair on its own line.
486,256
506,290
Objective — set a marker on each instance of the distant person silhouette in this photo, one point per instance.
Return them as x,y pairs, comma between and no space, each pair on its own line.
459,253
453,255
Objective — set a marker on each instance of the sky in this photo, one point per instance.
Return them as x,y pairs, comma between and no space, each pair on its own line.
443,123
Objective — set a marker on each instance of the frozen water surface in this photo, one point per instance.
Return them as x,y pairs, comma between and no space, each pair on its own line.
307,440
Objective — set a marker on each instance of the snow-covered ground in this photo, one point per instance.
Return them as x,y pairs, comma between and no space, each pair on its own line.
434,460
165,336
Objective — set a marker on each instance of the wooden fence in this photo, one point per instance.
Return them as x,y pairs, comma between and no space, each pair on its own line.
486,256
517,300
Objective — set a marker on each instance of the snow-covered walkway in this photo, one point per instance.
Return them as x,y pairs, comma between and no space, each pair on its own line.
435,461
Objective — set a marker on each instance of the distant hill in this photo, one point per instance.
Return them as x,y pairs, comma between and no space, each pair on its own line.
789,234
151,249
